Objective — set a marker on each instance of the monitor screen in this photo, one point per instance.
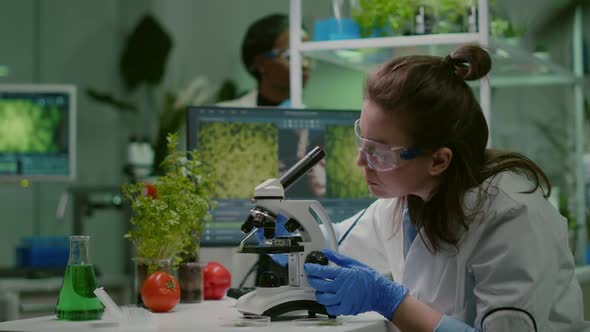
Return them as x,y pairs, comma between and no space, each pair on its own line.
37,132
242,147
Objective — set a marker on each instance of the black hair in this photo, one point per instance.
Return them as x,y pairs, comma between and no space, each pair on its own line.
260,37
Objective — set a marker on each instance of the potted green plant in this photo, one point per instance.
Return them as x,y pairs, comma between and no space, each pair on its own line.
168,223
383,17
451,15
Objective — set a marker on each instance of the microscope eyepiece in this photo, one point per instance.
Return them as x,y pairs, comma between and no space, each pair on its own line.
301,167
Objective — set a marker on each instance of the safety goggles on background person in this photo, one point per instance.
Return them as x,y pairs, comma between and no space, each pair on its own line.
381,157
273,54
286,55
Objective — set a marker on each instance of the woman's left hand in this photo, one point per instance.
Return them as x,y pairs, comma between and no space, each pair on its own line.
352,288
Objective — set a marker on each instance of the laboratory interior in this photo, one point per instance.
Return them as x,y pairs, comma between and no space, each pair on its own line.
273,164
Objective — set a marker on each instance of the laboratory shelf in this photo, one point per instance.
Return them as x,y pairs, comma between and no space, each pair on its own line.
391,42
513,66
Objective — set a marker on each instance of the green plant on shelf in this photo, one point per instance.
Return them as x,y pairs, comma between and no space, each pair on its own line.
451,15
503,28
382,17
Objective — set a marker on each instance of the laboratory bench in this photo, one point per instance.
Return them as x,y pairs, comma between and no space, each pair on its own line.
26,297
207,316
23,298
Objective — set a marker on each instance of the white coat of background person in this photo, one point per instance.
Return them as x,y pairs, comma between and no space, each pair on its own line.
467,233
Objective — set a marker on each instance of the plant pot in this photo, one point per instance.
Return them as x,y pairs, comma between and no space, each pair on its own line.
190,278
142,271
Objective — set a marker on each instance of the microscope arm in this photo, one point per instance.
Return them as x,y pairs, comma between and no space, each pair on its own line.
300,211
319,210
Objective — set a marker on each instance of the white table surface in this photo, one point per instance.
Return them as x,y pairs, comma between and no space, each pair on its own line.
207,316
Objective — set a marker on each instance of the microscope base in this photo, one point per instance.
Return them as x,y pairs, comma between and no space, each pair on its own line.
276,301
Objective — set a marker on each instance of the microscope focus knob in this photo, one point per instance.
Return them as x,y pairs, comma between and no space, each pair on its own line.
316,257
269,279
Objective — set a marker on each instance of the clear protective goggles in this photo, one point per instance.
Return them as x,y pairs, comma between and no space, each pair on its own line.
273,54
378,156
286,55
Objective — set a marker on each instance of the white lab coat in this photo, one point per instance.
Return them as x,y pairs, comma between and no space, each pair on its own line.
513,264
248,100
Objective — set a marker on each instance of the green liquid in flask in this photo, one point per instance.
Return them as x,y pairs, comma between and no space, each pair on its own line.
76,298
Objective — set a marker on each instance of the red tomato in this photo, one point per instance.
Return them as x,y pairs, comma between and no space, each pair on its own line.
160,292
150,190
217,280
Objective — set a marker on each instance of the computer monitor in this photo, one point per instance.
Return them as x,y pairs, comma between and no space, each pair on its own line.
242,147
37,132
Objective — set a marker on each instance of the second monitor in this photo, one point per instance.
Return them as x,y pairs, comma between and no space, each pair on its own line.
242,147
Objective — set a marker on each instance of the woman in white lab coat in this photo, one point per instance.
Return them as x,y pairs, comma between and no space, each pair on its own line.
265,55
467,233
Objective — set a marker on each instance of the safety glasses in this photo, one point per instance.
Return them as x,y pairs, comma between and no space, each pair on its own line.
381,157
273,54
307,62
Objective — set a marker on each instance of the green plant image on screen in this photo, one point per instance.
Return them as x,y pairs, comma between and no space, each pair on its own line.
26,127
239,156
345,179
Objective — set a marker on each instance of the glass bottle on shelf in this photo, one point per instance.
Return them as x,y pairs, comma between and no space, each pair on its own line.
424,20
472,21
77,300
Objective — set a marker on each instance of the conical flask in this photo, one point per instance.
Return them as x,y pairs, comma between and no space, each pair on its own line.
76,297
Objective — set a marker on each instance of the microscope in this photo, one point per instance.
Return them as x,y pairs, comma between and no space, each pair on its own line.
271,298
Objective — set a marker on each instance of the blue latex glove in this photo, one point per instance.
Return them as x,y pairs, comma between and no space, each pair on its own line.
280,230
352,288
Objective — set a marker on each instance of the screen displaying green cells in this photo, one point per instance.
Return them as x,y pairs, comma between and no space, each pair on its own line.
345,179
27,127
243,147
238,155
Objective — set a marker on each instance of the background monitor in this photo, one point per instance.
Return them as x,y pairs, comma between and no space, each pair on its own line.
242,147
37,132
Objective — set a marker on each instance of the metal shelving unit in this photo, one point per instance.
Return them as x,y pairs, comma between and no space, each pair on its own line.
517,68
297,47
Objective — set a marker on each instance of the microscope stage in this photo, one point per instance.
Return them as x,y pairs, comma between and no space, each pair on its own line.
252,249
